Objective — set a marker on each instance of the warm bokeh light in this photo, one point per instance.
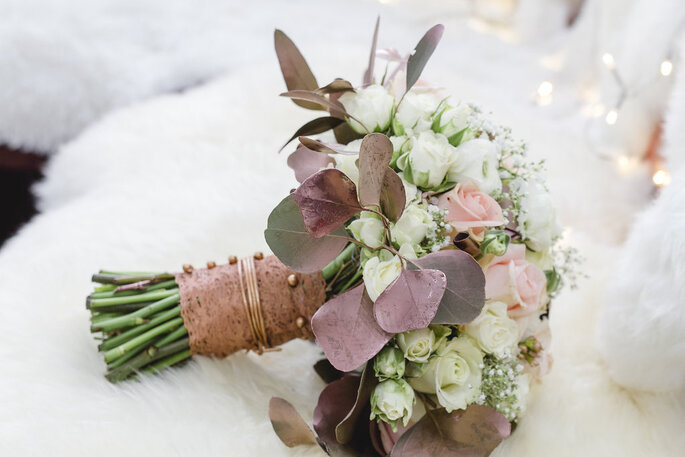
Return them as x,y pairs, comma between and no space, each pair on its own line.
609,61
666,67
612,117
661,178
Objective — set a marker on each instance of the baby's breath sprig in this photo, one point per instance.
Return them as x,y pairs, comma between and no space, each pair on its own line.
500,384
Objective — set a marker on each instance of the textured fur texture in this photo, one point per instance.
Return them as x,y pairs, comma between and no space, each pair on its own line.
191,177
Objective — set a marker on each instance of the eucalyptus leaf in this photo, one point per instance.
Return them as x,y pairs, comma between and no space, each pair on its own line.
344,431
335,402
393,198
422,52
336,109
374,157
327,372
326,148
338,85
296,72
411,301
327,199
347,331
473,432
288,424
345,134
318,125
305,162
368,74
290,241
465,291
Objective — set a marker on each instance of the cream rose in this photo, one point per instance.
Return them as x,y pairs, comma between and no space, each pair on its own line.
414,114
372,106
429,156
368,229
379,274
453,374
477,160
493,330
392,401
418,345
412,227
452,120
515,281
469,208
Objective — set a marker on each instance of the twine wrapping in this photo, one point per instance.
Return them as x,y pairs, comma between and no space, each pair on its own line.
247,305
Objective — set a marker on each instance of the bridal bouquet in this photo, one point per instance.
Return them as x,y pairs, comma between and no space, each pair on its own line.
419,250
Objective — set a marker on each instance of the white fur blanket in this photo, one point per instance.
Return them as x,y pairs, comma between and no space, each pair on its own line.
191,177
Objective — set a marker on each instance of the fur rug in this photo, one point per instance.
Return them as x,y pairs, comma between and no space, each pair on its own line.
191,177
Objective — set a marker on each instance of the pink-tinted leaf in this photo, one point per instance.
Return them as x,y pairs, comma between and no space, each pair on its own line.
318,125
411,301
335,402
327,199
347,331
305,162
422,52
337,86
296,72
290,241
374,156
465,291
473,432
288,424
344,431
368,74
326,148
393,198
335,108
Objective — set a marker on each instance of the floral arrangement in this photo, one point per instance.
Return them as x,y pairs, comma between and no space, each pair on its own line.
420,250
444,326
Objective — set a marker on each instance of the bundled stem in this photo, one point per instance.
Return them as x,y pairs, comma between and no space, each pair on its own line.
139,316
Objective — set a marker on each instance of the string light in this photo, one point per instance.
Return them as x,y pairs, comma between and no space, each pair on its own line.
611,117
666,67
661,178
544,93
609,61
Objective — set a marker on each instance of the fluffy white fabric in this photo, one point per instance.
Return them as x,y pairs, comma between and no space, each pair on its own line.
191,177
642,323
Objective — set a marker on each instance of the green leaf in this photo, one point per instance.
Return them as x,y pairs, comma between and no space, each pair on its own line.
455,140
290,241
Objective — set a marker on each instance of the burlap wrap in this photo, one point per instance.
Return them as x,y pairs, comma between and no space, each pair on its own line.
214,314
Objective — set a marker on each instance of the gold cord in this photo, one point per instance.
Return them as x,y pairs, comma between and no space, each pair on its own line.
251,303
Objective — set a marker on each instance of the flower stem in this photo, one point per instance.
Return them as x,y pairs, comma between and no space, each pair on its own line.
134,343
330,270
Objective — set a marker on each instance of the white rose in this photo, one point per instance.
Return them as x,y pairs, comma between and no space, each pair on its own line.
453,120
368,229
393,401
416,111
379,274
407,251
418,345
493,330
429,156
412,227
347,163
538,221
372,106
477,160
453,374
411,192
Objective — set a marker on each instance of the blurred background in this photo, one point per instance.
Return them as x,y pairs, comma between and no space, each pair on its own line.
143,134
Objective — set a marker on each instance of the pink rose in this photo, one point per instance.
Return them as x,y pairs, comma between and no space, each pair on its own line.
469,208
515,281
